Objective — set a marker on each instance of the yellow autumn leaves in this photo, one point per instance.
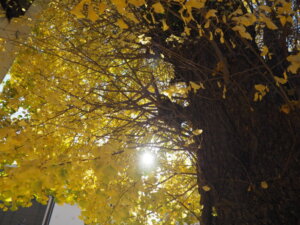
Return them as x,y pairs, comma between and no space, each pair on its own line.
295,63
72,149
239,20
181,89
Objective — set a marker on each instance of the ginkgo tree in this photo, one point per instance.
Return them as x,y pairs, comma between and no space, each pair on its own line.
79,115
210,89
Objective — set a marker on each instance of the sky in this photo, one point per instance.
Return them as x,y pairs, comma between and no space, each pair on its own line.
6,78
65,215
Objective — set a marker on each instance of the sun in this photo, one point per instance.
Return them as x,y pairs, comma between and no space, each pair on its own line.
147,159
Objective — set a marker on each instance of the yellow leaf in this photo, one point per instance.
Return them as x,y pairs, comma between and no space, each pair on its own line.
137,3
262,91
295,63
206,188
287,7
222,38
260,87
151,89
189,142
232,43
122,24
265,8
197,132
285,75
218,30
249,19
242,31
211,13
187,31
206,25
280,80
165,25
211,36
271,25
201,32
102,7
285,109
268,22
282,20
195,4
196,86
224,19
264,51
158,8
289,19
264,185
131,16
77,10
246,20
179,89
236,12
9,199
92,15
120,5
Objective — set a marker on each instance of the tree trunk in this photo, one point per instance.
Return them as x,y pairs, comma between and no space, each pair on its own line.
248,153
251,162
15,33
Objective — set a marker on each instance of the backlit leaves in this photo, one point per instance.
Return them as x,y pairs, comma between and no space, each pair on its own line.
89,107
158,8
122,24
295,63
242,32
261,91
77,10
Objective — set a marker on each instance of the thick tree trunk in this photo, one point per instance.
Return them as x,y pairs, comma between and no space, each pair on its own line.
251,162
249,152
15,33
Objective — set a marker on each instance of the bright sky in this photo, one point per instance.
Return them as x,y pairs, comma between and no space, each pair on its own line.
6,78
65,215
147,159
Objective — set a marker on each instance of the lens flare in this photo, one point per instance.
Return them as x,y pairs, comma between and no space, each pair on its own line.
147,159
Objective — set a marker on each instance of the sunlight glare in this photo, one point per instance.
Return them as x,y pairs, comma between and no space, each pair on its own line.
147,159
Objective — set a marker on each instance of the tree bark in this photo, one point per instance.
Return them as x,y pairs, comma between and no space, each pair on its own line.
249,152
15,33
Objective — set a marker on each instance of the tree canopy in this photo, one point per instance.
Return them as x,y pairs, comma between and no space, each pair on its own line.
209,89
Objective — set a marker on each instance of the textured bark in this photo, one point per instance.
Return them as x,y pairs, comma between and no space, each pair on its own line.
15,33
244,143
